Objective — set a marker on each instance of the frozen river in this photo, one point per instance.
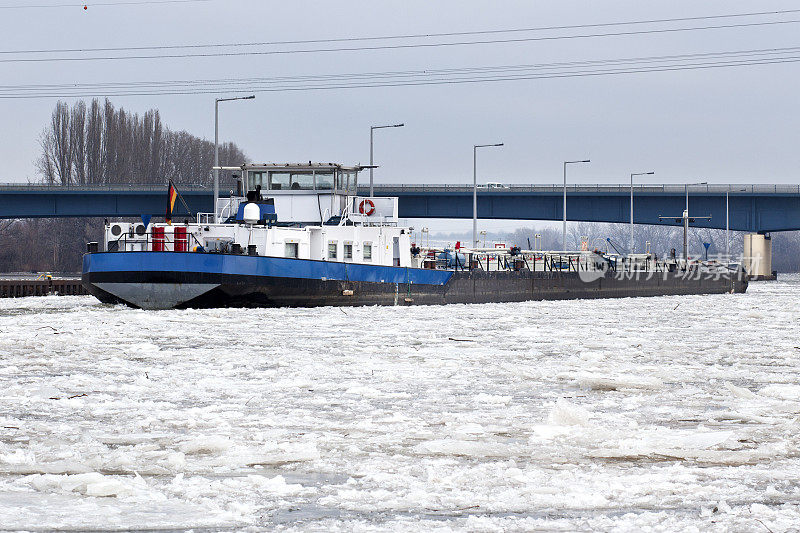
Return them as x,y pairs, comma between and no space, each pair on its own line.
672,413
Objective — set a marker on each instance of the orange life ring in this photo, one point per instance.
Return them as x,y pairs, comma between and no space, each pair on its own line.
369,211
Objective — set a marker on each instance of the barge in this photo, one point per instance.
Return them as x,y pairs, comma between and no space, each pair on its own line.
301,236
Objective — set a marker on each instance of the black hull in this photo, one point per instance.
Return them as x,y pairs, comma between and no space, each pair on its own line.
463,287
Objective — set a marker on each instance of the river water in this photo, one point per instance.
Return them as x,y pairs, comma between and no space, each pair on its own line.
671,413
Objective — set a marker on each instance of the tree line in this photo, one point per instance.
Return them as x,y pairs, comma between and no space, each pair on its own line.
98,144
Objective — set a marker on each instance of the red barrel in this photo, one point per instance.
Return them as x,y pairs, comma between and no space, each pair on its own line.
181,239
158,239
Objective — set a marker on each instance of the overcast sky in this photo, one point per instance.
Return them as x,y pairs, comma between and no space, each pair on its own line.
720,125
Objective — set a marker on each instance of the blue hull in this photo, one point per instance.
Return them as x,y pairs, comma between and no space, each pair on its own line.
161,280
243,265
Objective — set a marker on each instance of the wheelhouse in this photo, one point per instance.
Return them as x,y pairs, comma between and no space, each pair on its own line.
315,177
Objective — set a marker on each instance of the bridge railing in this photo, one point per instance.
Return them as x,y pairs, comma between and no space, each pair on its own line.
593,188
441,187
111,187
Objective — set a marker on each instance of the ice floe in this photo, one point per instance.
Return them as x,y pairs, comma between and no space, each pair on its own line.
555,418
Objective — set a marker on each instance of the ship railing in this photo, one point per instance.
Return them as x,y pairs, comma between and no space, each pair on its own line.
225,213
148,242
534,261
584,261
227,210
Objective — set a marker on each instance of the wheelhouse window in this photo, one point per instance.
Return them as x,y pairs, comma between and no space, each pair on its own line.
367,251
257,178
348,180
332,250
307,179
303,181
279,181
292,250
324,180
348,251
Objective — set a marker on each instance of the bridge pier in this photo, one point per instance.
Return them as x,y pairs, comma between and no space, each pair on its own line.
758,256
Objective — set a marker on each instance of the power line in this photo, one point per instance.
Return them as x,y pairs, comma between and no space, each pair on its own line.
664,59
422,80
104,4
392,37
396,47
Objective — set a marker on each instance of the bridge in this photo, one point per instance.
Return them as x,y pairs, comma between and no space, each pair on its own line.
752,208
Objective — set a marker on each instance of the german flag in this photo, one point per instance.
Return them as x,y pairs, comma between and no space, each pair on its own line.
172,195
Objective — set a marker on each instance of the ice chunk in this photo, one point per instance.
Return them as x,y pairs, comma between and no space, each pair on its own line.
465,448
46,392
276,454
276,485
206,445
79,482
565,413
673,444
611,383
782,392
176,460
142,347
734,416
18,457
90,484
544,431
43,482
701,440
367,392
470,429
108,487
740,392
491,399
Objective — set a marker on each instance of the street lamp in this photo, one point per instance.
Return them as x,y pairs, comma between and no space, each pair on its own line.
630,249
728,224
475,189
686,220
371,169
686,189
216,145
564,234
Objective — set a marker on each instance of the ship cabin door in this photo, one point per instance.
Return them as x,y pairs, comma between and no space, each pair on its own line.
396,251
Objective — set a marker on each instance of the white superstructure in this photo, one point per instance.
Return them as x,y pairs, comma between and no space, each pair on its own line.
307,211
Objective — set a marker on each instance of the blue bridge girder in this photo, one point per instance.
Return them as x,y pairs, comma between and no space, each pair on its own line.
753,208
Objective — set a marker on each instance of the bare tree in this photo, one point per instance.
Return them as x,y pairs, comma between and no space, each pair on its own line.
109,151
94,143
45,164
55,162
61,149
77,141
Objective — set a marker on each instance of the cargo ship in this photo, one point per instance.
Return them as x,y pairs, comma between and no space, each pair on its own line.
301,236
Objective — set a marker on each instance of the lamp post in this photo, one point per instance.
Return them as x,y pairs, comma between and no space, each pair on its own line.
475,190
686,221
728,224
686,189
630,249
564,233
371,169
216,145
